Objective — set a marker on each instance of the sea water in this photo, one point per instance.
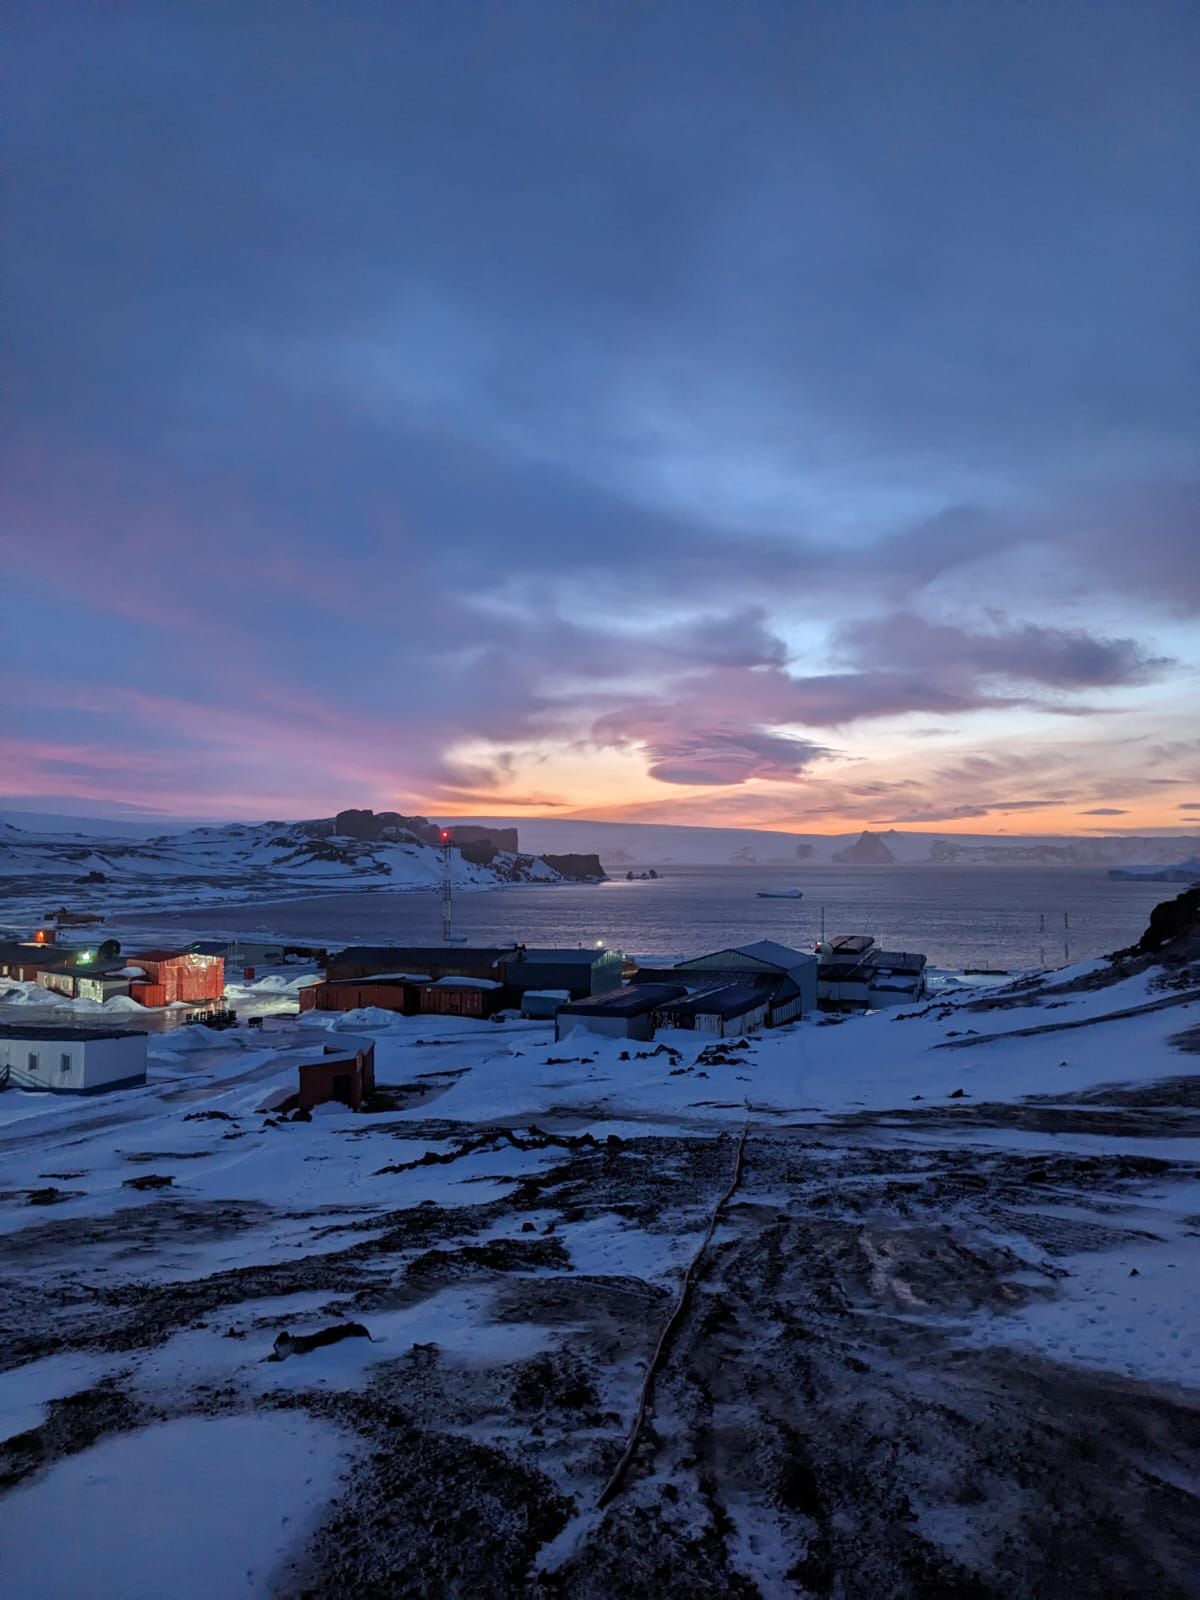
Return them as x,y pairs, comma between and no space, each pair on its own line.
992,917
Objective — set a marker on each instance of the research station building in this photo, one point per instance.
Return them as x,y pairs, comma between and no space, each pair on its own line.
71,1060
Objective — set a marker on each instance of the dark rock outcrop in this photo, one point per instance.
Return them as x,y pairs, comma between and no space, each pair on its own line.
315,828
368,827
576,866
360,825
464,834
299,1344
1171,922
479,852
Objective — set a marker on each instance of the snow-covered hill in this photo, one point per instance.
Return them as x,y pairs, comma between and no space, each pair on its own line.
269,860
106,827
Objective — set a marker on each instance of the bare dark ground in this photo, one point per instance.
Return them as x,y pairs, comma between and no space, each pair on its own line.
819,1428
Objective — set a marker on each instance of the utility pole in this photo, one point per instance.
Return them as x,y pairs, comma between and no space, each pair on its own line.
447,900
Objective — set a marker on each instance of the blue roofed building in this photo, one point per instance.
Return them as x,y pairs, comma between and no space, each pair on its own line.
789,976
726,1009
632,1012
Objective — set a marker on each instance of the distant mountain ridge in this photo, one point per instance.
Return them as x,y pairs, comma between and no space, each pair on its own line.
65,822
1178,872
626,844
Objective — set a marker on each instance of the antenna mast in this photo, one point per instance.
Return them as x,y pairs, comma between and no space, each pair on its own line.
447,901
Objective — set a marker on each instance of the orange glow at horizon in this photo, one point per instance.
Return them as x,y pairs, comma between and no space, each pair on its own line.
1000,782
1066,824
1032,782
1068,820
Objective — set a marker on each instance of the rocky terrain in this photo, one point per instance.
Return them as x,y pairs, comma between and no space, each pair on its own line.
900,1306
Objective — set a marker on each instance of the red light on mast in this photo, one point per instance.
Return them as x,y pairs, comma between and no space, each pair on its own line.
445,835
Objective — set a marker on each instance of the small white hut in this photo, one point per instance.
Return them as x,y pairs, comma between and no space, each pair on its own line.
65,1060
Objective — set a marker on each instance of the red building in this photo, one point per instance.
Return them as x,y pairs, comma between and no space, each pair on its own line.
463,997
177,975
345,1073
389,994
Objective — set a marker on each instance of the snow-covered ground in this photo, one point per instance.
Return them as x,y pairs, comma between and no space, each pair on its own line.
944,1209
231,864
196,1506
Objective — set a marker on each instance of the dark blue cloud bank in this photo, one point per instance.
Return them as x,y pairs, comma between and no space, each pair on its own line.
689,409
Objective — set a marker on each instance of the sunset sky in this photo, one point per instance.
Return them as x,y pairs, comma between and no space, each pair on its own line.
777,415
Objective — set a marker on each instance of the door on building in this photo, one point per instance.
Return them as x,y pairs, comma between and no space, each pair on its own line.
343,1086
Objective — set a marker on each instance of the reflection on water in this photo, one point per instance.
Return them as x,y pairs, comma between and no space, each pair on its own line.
959,916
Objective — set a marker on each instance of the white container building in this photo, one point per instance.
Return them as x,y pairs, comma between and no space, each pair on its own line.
632,1012
71,1060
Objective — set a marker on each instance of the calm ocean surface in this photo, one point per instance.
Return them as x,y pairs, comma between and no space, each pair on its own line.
959,916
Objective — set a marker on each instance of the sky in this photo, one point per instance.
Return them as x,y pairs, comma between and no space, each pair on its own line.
780,415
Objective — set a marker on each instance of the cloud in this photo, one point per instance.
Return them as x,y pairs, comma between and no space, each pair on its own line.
834,699
725,756
1057,658
739,639
729,724
476,797
376,394
1139,542
956,813
1105,811
681,747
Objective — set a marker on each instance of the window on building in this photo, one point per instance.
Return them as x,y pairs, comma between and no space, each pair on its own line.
64,1063
33,1061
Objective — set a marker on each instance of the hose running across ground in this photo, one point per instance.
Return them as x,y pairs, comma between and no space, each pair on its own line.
614,1485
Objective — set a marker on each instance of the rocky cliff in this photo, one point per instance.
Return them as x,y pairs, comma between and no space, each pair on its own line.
463,834
370,827
1174,927
394,827
576,866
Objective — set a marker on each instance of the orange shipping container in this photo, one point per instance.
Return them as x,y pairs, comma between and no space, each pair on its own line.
148,994
185,975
